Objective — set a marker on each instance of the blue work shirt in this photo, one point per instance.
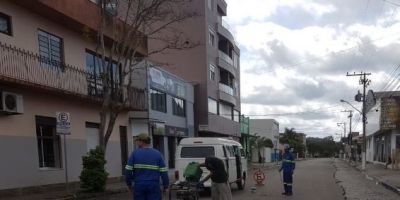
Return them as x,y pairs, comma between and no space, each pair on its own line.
146,165
288,163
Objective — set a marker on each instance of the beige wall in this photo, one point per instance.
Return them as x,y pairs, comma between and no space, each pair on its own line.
18,141
25,25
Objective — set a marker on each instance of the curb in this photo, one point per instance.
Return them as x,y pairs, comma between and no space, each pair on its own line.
91,195
378,181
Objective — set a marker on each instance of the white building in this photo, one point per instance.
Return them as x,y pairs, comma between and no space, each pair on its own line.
268,128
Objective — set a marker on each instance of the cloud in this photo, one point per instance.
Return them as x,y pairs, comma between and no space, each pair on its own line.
295,56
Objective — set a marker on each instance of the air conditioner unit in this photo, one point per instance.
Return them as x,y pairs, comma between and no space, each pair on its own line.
11,103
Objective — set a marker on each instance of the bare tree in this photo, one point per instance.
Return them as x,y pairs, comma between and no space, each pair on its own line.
125,26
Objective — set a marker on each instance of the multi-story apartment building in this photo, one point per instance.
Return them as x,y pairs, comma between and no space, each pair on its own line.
47,65
212,66
170,114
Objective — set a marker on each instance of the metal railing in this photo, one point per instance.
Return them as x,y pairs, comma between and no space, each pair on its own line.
225,57
30,69
227,89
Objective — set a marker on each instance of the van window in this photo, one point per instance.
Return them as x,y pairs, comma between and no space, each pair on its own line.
197,152
231,151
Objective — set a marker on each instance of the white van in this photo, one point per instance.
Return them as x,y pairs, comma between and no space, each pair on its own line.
197,149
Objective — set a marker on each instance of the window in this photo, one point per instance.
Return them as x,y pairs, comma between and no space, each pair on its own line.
178,107
236,115
211,38
48,143
50,50
212,72
95,71
5,24
158,100
92,136
209,3
212,106
197,152
225,110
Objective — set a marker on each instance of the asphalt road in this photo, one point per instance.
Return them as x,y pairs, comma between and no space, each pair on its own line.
313,180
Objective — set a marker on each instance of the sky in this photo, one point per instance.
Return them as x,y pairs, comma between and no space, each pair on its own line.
295,55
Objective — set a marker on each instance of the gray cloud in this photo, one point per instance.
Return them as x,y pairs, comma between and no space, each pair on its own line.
269,96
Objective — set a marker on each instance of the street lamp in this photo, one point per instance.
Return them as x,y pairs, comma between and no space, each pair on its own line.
344,101
364,120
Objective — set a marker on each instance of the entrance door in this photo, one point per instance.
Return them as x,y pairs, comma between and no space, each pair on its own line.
158,143
171,152
124,146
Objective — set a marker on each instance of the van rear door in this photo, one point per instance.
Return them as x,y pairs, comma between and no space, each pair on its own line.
188,154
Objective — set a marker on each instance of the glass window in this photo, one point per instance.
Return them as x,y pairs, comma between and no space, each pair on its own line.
211,38
5,24
212,72
158,100
50,49
236,115
212,106
95,71
48,143
197,152
178,106
225,110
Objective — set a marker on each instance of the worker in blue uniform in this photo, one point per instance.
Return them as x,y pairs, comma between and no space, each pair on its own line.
288,166
143,171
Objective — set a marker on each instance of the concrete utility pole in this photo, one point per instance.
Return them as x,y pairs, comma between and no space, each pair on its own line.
365,82
350,118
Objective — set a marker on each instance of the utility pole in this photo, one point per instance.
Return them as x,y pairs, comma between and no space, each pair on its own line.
365,82
349,142
350,118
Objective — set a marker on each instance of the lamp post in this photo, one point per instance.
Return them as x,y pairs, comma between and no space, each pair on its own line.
364,120
344,128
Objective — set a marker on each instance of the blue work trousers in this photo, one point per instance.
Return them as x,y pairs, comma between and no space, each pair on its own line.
288,181
147,190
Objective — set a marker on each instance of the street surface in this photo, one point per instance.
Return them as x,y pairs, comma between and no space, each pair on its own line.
315,179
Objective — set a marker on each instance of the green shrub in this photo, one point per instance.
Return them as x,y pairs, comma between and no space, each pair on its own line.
94,176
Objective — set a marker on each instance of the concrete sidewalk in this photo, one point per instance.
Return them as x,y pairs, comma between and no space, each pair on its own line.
389,178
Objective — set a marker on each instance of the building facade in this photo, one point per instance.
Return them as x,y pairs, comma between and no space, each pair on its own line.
213,67
48,66
245,134
383,127
169,116
268,128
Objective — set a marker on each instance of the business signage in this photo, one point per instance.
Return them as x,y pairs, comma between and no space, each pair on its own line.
166,82
390,113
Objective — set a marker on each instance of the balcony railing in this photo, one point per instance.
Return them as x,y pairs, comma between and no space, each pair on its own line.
29,69
227,89
225,57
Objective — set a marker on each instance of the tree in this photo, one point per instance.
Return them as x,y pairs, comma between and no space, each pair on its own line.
260,143
323,147
291,137
123,30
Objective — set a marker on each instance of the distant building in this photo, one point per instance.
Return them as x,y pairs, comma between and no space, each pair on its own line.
245,133
268,128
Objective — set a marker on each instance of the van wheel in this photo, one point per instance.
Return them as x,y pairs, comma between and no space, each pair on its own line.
242,182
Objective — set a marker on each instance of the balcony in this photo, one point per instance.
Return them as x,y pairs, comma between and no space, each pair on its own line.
227,94
29,70
225,62
224,30
222,7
